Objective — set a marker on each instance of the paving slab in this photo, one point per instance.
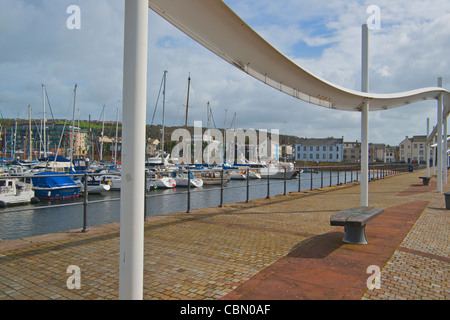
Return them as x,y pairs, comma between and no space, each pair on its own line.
282,248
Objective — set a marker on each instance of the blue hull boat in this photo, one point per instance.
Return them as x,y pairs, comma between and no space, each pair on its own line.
52,186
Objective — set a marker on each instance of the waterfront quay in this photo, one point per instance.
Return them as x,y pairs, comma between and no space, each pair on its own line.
281,248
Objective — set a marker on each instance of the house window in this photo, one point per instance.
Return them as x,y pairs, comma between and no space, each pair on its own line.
331,156
311,148
311,156
324,156
317,156
324,148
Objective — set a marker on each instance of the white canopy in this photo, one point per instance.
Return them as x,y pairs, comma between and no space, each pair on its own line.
214,25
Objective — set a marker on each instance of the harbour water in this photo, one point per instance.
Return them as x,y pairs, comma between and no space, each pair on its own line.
31,220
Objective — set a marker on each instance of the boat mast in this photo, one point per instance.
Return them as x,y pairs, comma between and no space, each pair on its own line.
117,129
224,146
103,129
187,102
29,125
73,125
15,134
163,118
185,155
78,135
44,122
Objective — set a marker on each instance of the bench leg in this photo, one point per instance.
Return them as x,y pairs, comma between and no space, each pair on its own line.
355,235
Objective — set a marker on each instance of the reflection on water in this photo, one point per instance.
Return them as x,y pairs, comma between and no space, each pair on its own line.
29,220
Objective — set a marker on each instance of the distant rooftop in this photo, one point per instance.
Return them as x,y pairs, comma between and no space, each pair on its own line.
320,141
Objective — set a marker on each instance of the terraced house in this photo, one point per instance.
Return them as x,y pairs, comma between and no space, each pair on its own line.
321,150
413,150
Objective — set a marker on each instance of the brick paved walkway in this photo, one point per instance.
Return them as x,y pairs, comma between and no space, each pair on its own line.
278,248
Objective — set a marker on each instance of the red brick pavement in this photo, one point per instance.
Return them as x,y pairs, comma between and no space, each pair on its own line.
325,268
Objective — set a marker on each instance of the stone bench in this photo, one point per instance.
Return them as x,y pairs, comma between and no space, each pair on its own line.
354,221
425,180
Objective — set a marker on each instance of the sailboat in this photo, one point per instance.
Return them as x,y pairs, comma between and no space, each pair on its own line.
157,179
51,184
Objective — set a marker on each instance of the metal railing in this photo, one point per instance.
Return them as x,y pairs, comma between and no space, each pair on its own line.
344,174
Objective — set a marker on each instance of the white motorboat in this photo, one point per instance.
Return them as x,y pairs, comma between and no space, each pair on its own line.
95,189
242,174
213,177
156,181
181,179
14,192
277,171
114,181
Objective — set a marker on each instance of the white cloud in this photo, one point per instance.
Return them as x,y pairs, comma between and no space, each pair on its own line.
408,52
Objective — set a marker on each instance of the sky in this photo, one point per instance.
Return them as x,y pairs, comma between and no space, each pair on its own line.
410,50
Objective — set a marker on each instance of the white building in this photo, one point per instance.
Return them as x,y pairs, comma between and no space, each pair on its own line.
320,150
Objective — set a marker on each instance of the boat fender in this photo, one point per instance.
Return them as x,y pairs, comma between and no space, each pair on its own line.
211,175
159,176
2,204
34,200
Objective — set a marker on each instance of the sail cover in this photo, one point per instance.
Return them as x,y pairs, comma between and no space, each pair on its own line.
214,25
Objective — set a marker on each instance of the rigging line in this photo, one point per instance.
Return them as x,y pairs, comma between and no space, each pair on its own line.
64,127
39,132
212,116
154,113
156,106
48,101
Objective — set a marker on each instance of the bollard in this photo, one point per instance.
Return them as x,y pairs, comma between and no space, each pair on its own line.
189,193
248,185
345,174
447,200
221,188
145,196
321,177
85,203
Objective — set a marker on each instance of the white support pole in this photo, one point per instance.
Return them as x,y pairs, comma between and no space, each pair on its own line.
444,137
439,140
427,149
133,155
434,156
444,149
365,119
